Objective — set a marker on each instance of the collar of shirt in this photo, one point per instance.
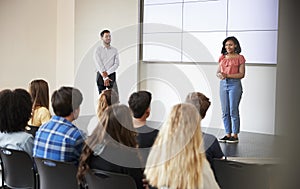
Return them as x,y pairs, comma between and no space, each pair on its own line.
62,120
104,47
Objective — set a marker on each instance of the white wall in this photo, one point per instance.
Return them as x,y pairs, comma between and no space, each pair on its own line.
91,17
52,40
163,80
27,42
65,68
170,83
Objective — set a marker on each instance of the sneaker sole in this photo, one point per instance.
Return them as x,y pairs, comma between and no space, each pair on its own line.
232,142
223,141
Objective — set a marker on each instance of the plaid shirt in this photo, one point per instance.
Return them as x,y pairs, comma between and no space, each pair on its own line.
58,140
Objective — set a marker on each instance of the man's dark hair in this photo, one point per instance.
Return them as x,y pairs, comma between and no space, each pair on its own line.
65,100
15,110
103,32
139,102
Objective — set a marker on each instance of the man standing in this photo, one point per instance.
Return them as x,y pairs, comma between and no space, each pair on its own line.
106,58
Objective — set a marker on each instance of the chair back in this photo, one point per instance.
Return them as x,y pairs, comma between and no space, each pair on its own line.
56,174
236,175
31,129
99,179
17,169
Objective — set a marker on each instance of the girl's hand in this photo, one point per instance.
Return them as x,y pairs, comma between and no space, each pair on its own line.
221,75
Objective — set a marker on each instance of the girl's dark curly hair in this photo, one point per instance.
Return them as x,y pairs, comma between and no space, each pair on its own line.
238,49
15,110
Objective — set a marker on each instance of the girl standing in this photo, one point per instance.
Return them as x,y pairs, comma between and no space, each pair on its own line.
230,71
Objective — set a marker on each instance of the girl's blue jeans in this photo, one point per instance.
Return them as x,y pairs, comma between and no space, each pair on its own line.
230,94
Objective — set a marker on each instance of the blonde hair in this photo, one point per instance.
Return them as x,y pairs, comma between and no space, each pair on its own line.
176,159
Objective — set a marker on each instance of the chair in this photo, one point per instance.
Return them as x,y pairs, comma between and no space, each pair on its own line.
56,174
31,129
236,175
99,179
18,169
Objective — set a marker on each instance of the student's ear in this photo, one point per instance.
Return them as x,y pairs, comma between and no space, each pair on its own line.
147,113
76,113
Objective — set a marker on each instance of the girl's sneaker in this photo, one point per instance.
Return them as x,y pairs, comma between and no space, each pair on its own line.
233,140
224,139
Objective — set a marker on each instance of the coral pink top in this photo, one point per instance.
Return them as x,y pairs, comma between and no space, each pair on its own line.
231,65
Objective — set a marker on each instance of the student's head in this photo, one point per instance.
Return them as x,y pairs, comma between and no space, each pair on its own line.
139,103
200,101
107,98
116,126
65,101
105,36
235,42
177,151
39,92
116,122
15,110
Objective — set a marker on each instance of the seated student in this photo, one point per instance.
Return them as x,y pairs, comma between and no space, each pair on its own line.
177,158
39,92
107,98
112,146
211,144
15,111
139,103
59,139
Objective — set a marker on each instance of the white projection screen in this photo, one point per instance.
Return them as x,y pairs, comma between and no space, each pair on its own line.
193,30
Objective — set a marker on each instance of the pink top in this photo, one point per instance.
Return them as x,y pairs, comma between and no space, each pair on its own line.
231,65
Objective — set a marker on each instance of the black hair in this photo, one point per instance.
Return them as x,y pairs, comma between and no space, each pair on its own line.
103,32
65,100
238,48
15,110
139,102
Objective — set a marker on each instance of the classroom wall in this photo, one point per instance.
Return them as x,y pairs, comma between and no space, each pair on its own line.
168,82
52,39
27,42
91,17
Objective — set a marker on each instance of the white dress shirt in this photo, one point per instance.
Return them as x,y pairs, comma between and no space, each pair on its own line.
106,59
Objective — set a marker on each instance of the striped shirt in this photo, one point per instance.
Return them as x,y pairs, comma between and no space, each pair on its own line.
58,140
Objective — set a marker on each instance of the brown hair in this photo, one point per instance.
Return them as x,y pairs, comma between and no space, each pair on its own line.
200,101
39,92
116,122
107,98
